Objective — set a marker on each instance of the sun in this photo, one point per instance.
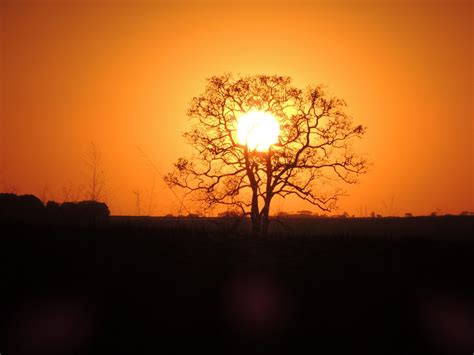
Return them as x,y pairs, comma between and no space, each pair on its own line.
258,130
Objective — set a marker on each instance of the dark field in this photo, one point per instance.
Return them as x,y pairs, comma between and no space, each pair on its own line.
315,286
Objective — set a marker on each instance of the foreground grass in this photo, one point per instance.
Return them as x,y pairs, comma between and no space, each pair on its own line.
133,288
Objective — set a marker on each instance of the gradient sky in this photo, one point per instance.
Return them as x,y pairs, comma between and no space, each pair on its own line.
121,74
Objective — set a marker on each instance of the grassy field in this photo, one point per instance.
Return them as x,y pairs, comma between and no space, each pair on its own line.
167,285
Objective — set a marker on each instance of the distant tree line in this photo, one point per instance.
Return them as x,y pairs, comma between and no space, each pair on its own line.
29,208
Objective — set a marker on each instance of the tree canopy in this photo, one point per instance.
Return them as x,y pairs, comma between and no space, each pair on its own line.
314,147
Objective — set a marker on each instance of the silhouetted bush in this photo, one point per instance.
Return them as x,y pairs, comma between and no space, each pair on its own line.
20,208
52,205
28,208
83,212
229,214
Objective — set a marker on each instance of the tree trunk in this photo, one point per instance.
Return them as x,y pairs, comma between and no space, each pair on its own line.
255,215
265,221
268,195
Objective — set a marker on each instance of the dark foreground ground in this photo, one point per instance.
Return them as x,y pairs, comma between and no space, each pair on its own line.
148,287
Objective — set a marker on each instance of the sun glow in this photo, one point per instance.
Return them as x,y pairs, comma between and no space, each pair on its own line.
257,130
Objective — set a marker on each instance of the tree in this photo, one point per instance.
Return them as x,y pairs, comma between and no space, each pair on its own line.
314,146
95,178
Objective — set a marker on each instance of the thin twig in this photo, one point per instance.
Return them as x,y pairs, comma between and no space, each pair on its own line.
153,165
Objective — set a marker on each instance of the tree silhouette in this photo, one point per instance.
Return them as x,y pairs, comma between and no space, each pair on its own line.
95,178
314,147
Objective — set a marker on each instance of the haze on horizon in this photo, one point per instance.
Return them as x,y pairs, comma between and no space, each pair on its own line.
122,74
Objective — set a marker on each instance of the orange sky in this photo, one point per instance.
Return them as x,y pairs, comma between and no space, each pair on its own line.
122,74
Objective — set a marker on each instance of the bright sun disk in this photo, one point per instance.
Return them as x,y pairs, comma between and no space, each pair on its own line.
258,130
